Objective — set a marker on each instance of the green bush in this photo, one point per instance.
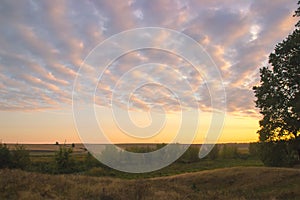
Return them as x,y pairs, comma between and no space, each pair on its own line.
229,151
20,157
63,160
278,154
5,156
190,155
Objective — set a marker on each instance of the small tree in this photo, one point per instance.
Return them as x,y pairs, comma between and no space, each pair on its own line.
63,161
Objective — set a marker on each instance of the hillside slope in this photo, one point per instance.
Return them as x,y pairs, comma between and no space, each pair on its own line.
228,183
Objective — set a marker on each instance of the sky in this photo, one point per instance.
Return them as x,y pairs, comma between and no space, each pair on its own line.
45,48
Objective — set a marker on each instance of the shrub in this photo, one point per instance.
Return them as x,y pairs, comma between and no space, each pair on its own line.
254,149
190,155
5,156
214,153
20,157
229,151
277,154
90,161
63,161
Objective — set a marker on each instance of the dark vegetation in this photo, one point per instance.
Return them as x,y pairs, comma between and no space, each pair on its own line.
16,158
278,99
65,161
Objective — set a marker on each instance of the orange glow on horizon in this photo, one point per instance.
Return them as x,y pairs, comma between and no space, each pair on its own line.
46,127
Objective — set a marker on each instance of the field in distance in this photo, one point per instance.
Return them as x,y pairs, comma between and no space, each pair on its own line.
78,147
227,183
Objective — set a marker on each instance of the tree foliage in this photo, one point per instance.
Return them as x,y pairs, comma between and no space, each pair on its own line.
297,14
277,96
278,99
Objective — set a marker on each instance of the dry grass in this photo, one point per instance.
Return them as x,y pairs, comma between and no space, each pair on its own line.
229,183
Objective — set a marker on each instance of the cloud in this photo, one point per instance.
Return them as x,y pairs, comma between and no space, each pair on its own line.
44,43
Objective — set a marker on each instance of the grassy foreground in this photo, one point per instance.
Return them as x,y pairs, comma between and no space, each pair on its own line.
227,183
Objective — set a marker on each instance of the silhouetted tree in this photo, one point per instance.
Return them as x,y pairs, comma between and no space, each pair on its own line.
278,95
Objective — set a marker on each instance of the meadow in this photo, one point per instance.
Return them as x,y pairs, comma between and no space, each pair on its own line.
231,172
226,183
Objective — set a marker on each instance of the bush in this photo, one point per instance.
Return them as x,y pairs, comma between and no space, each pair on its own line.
214,153
63,161
90,161
20,157
190,155
277,154
254,148
229,151
5,156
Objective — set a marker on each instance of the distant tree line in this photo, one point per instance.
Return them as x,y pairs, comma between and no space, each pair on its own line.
64,162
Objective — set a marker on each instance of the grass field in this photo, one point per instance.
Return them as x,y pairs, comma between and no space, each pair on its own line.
177,168
43,155
227,183
241,176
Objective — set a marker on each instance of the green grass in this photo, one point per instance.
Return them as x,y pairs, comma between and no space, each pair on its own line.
41,163
243,177
178,168
45,163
